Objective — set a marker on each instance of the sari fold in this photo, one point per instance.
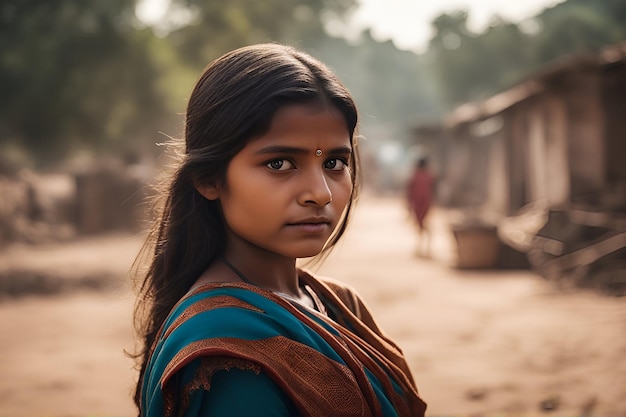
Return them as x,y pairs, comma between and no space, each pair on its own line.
339,366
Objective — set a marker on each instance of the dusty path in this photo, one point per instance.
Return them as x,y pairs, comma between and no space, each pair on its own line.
479,343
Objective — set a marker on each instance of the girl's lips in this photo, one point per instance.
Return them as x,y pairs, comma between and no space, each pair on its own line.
311,220
310,227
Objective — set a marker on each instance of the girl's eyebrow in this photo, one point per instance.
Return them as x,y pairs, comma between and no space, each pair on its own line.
281,149
341,150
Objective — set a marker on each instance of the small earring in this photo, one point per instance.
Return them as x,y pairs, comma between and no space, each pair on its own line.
318,152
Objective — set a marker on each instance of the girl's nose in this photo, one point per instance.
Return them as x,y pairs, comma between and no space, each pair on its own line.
316,190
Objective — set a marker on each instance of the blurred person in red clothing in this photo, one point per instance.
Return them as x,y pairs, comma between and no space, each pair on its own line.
419,197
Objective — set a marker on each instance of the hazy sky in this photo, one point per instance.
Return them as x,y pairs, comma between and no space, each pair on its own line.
407,22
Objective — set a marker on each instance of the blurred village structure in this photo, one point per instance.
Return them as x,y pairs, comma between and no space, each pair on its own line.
537,173
533,177
107,196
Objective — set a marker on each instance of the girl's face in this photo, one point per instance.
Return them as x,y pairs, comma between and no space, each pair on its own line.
281,194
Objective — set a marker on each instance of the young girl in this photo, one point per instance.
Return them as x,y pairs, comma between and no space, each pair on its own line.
230,326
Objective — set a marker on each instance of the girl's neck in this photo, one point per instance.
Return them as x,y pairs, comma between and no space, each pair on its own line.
265,276
262,268
272,276
304,296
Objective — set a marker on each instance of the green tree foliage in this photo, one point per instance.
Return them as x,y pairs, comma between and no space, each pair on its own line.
576,26
392,88
217,26
211,28
74,74
471,66
452,55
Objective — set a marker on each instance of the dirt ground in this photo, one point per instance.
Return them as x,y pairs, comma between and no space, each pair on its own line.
480,343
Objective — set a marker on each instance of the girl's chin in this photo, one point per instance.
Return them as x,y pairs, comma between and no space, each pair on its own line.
307,253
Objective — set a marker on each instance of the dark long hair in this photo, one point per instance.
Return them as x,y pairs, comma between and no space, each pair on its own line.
233,101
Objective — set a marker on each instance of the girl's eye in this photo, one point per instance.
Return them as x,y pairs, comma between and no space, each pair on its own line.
335,164
279,165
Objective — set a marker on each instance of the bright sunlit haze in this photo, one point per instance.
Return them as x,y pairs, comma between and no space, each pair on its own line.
406,22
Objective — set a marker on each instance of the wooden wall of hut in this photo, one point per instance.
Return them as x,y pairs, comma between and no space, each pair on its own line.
581,91
614,104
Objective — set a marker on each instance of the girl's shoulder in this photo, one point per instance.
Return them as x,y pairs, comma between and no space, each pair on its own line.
342,295
346,293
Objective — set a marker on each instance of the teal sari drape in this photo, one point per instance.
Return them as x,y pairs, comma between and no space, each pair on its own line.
314,365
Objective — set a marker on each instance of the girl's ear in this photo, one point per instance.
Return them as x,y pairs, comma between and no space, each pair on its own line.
208,191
